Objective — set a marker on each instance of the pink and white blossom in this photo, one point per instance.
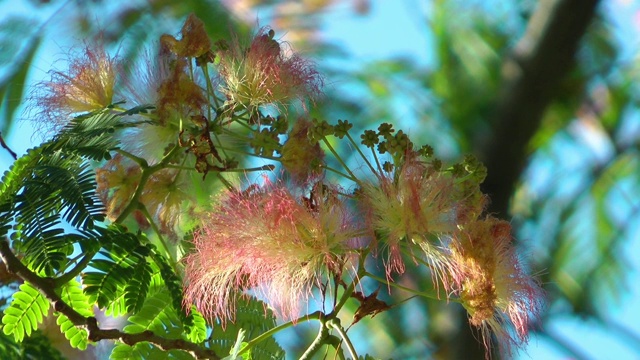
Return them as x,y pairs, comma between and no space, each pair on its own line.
268,240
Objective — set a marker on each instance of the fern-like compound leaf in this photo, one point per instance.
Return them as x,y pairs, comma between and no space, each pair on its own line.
71,293
146,351
136,291
26,311
157,315
253,317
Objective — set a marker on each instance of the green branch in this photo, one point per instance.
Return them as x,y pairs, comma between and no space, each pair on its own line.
351,176
335,323
71,274
317,343
147,171
313,316
425,294
360,152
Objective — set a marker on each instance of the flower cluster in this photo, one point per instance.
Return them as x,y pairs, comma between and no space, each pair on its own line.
491,283
434,218
268,240
87,85
264,73
285,242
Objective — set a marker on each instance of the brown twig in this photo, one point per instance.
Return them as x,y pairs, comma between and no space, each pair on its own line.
46,286
4,145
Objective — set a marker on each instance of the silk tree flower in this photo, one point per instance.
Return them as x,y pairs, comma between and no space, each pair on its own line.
117,181
166,196
411,208
160,80
272,242
87,85
195,41
491,283
265,73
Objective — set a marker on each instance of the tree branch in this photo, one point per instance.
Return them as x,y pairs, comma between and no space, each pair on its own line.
47,285
530,78
531,74
4,145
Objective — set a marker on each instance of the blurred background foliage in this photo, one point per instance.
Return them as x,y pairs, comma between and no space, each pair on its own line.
573,202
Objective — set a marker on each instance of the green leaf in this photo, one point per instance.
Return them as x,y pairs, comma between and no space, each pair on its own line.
146,351
157,314
251,318
26,311
136,291
40,191
71,293
197,332
107,283
78,338
90,136
174,284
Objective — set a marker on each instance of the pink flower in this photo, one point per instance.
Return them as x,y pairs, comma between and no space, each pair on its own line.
272,242
87,85
411,209
491,283
265,74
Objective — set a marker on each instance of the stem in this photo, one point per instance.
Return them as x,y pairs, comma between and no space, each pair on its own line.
155,229
339,159
349,290
335,323
426,294
338,172
210,94
138,160
360,152
147,171
345,296
71,274
313,316
4,145
317,342
249,154
268,167
375,157
226,183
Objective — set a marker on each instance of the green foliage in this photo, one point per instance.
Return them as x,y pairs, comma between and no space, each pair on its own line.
136,291
36,346
91,135
71,293
146,351
47,186
157,315
197,332
174,284
368,357
254,318
26,311
115,268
